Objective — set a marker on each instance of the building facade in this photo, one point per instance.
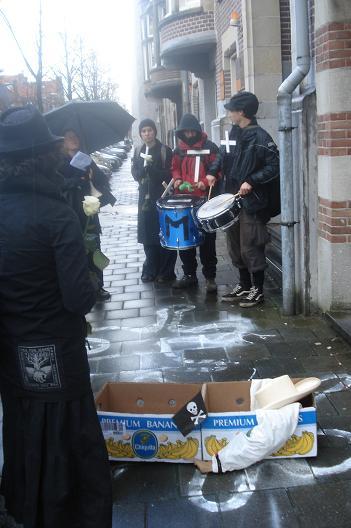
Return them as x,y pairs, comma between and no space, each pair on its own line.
197,53
16,90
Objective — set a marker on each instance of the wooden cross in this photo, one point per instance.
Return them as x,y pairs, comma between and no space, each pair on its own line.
142,155
197,153
227,142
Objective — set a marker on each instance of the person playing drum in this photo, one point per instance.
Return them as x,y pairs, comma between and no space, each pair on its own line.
151,166
249,162
190,162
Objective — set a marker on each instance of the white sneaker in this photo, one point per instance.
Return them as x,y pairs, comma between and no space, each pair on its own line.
236,294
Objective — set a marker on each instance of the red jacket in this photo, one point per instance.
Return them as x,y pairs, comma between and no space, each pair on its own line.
183,164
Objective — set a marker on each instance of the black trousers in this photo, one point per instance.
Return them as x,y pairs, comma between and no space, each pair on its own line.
208,258
159,262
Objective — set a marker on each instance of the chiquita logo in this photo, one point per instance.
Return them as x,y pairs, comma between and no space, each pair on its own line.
144,444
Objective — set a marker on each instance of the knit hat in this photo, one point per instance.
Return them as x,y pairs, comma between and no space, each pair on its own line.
147,123
244,101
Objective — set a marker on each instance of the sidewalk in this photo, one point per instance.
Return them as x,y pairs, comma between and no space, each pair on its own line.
150,333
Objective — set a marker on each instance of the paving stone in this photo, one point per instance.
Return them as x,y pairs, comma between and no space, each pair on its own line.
142,303
324,407
142,482
159,361
138,288
122,314
282,473
184,513
323,505
115,334
249,352
330,382
270,368
143,323
140,376
113,305
341,401
205,356
231,372
261,509
336,427
332,463
192,482
119,363
132,296
147,346
195,375
97,381
128,516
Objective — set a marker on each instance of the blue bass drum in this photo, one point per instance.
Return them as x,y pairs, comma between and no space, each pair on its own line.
178,222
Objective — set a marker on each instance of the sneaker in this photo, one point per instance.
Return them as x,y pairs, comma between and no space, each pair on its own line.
255,297
103,295
187,281
211,286
236,295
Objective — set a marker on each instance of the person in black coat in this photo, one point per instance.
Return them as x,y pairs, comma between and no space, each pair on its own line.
159,262
251,168
56,470
77,184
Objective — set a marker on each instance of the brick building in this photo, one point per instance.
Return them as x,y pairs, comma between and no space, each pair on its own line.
197,53
17,90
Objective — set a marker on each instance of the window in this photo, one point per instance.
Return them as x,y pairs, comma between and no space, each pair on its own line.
235,81
188,4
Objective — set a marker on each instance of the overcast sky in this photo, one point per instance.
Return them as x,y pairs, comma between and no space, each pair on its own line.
107,26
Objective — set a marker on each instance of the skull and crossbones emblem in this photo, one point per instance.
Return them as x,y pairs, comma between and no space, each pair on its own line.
197,415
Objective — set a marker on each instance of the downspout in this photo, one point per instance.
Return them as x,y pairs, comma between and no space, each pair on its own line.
285,92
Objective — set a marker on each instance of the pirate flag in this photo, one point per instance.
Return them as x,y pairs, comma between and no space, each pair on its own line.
192,414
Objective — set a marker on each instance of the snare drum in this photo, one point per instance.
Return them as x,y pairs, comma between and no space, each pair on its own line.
178,224
220,212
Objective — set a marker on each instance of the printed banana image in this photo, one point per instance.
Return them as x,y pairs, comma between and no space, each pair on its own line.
297,445
213,445
117,449
179,449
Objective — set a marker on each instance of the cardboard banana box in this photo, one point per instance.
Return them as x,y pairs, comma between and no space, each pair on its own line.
136,421
227,405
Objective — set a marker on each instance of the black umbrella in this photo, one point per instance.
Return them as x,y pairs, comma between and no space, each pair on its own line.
97,123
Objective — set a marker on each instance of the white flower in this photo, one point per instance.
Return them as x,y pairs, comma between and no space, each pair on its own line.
91,205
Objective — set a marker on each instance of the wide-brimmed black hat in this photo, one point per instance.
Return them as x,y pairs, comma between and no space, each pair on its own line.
24,129
246,102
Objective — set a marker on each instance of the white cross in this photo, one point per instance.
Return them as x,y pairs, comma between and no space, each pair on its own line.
227,142
200,416
142,155
197,153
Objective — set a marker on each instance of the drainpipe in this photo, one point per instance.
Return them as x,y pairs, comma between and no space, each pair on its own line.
285,92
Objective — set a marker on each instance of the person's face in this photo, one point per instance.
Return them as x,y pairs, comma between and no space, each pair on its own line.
189,133
148,135
71,142
236,116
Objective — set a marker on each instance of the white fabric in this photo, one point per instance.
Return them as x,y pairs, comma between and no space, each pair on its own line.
273,429
257,384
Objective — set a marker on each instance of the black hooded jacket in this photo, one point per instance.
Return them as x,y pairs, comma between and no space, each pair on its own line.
255,160
45,289
150,180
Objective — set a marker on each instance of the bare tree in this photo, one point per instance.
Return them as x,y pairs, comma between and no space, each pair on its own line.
68,70
93,82
38,75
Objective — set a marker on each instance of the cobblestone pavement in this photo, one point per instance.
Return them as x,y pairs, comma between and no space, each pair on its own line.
149,332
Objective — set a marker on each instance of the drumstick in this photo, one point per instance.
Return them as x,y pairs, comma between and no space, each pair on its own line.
167,189
164,185
209,192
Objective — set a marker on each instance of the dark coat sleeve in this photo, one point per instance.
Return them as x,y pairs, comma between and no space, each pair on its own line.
71,263
137,167
101,183
267,159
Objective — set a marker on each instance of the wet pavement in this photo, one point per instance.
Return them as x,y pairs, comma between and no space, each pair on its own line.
148,332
